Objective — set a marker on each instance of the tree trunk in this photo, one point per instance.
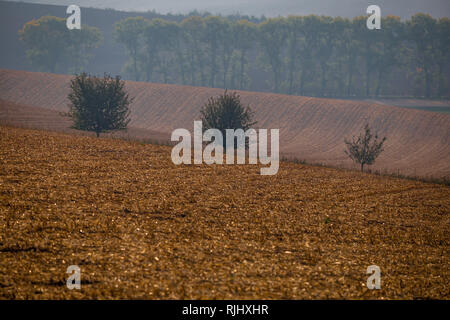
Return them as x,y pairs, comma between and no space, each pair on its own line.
378,89
135,70
362,167
226,66
213,65
148,74
275,76
202,72
192,69
324,79
440,81
135,65
367,81
302,82
180,59
427,83
225,77
292,62
291,81
349,82
241,84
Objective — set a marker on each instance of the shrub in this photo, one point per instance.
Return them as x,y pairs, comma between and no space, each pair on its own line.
226,112
99,104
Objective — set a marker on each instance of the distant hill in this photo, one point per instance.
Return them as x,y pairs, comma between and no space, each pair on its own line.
311,129
109,57
343,8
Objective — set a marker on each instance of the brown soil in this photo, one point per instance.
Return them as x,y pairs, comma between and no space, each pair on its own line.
311,129
12,114
140,227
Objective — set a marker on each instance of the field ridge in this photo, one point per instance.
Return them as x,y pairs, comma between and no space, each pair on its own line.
311,129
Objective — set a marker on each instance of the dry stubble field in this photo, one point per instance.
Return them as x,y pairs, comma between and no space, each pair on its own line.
140,227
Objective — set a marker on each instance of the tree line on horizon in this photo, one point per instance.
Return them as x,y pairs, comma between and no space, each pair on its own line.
300,55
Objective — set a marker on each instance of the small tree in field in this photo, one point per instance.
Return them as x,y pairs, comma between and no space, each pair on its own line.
226,112
99,104
366,148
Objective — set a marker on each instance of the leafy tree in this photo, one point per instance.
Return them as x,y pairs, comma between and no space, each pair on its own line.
129,32
295,33
235,70
326,40
442,53
369,43
99,104
160,38
421,29
83,41
226,112
345,55
351,51
366,148
391,53
214,31
51,46
272,36
308,50
245,35
153,41
227,43
179,51
194,28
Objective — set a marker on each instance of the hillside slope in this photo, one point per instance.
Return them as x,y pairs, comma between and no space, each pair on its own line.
311,129
12,114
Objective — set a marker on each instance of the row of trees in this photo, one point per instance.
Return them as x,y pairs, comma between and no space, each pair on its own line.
197,51
309,55
305,55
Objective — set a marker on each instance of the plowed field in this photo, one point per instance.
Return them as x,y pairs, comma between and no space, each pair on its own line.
311,129
12,114
140,227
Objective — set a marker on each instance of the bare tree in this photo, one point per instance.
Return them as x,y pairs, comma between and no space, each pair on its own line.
366,148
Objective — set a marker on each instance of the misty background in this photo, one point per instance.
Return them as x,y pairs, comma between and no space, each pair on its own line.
321,55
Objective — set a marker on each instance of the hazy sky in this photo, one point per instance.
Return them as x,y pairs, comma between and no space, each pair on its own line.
347,8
